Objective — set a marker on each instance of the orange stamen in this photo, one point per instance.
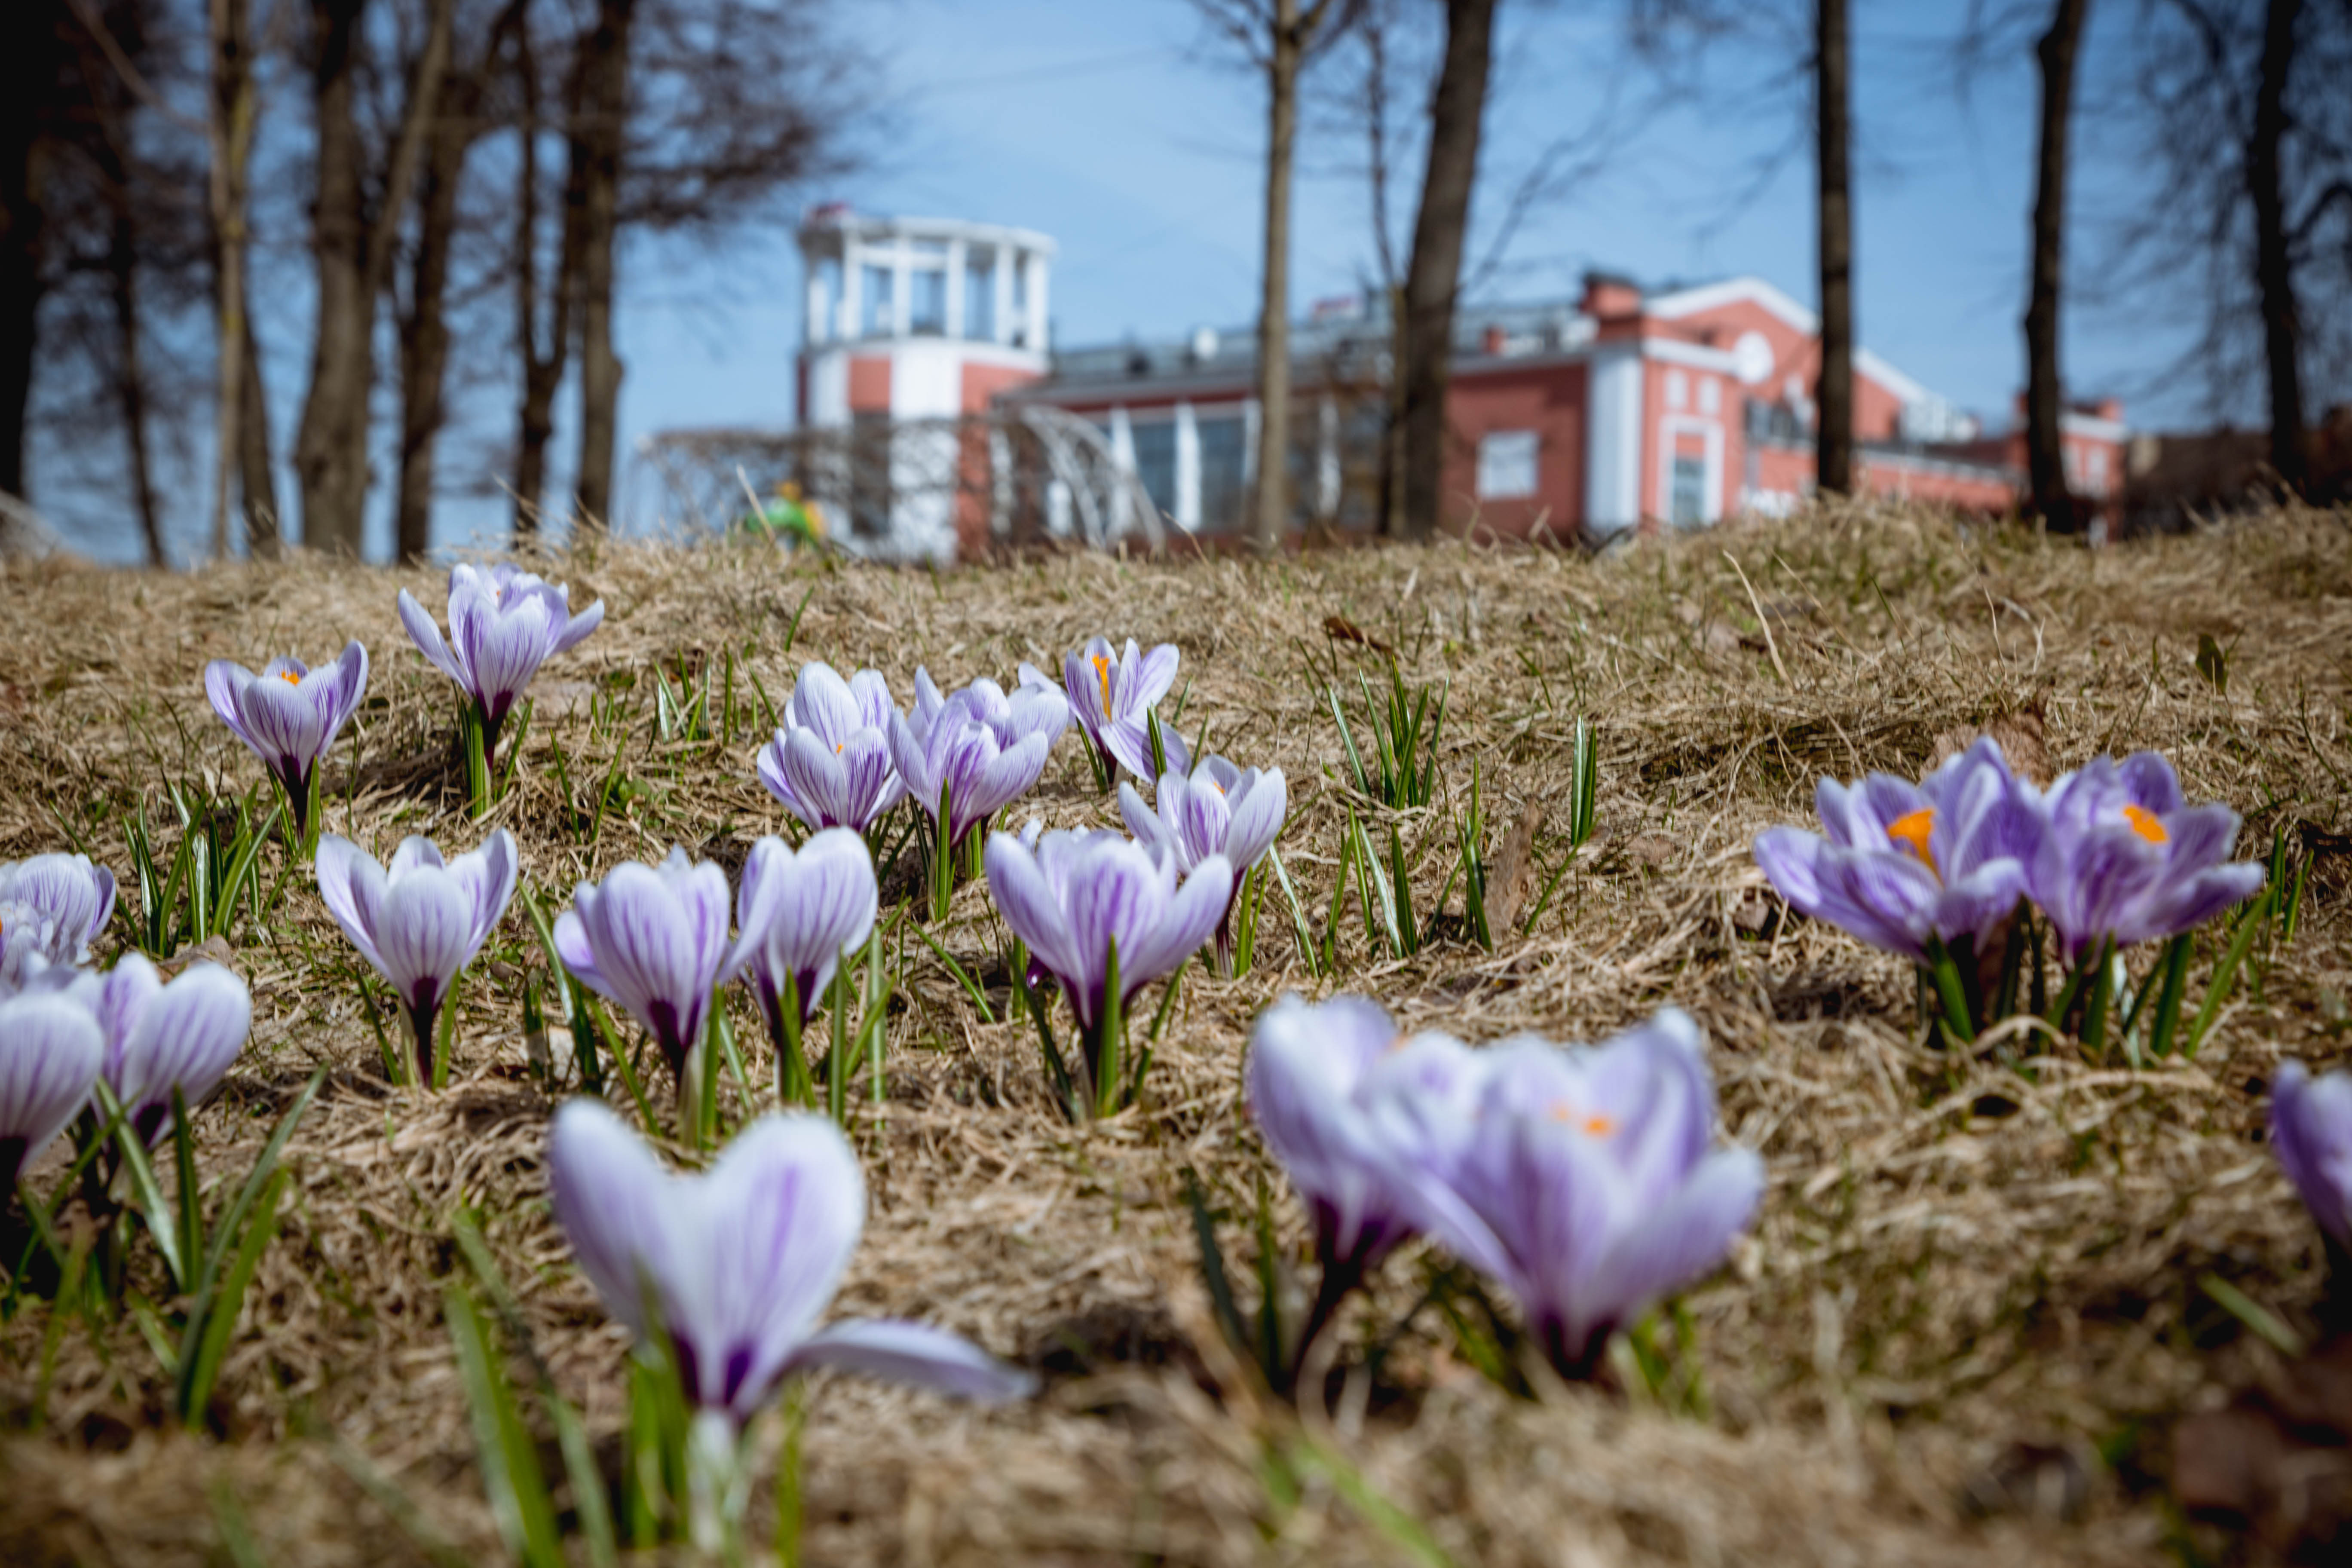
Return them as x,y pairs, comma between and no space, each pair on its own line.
2145,824
289,678
1594,1125
1102,671
1914,830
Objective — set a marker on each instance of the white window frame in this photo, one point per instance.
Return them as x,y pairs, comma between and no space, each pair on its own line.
1494,482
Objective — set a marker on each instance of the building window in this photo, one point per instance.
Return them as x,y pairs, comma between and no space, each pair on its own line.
927,309
1677,390
1020,323
979,294
1506,465
1689,499
1710,395
869,475
1154,441
1225,446
877,314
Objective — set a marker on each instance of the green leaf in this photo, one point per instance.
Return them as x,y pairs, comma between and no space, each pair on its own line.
212,1318
1400,1529
2225,973
162,1224
509,1460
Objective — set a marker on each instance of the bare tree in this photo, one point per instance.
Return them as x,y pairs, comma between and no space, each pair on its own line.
596,137
2273,258
1832,103
2054,55
234,107
1277,37
352,246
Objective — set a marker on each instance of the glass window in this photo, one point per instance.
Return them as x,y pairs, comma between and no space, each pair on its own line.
979,294
1362,424
869,475
1507,464
926,311
1020,323
1224,442
1155,460
876,310
1689,502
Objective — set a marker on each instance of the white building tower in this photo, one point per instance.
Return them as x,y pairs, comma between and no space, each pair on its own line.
912,322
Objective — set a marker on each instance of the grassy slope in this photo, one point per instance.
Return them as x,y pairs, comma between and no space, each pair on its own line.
1951,1260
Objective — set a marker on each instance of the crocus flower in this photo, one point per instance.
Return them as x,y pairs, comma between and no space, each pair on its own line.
1320,1081
183,1035
654,940
795,916
1944,859
66,891
1111,695
50,1051
1027,711
31,945
830,764
945,744
419,922
741,1262
290,715
2122,856
2311,1133
1584,1181
503,625
1216,809
1075,893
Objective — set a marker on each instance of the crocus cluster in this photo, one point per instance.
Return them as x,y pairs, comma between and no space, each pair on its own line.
830,762
1584,1180
2112,853
418,922
1216,808
504,622
978,749
1112,695
290,715
795,914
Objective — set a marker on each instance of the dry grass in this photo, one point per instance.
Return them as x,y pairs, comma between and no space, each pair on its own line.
1957,1272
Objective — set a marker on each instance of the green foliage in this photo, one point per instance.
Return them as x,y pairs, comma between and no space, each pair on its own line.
213,872
1404,724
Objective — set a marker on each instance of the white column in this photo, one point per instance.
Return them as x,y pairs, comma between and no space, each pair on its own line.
853,289
1188,468
1037,313
813,326
1000,274
902,291
1253,417
1327,456
1122,458
955,289
1612,457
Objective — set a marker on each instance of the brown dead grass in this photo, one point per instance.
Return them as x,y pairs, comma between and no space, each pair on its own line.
1954,1267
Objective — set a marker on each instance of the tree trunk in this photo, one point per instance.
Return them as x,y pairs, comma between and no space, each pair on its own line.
1833,452
596,140
2045,453
353,253
425,334
1272,500
257,481
26,43
231,136
1435,275
129,376
544,352
2273,263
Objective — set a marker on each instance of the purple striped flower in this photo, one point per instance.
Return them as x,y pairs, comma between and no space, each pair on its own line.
652,939
830,764
32,945
948,743
50,1053
503,625
1075,893
1584,1180
75,896
184,1035
1112,694
742,1260
2311,1133
795,914
1944,859
2122,856
289,714
1216,809
418,922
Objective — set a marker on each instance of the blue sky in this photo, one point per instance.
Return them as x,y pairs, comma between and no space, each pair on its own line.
1126,132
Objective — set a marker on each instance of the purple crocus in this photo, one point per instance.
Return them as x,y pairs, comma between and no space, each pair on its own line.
503,625
795,914
1584,1181
1944,859
1112,695
2122,856
741,1262
830,764
1321,1078
1077,892
1216,809
50,1053
32,944
948,743
183,1035
289,714
66,891
654,940
418,922
2311,1133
